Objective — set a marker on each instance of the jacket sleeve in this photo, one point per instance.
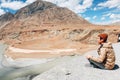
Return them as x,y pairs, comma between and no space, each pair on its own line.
101,56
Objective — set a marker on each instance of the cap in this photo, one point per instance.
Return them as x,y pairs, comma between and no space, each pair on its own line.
103,36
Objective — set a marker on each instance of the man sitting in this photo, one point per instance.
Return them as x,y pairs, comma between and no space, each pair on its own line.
106,59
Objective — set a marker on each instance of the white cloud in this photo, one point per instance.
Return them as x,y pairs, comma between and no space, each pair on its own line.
87,18
115,16
30,1
108,14
15,5
110,4
103,18
95,9
78,6
2,12
112,16
74,5
94,17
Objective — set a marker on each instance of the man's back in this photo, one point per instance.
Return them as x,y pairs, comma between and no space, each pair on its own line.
109,60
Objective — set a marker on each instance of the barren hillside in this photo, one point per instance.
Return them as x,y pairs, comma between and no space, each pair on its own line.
36,17
51,26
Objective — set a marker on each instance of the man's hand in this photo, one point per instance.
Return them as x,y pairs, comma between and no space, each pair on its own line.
88,56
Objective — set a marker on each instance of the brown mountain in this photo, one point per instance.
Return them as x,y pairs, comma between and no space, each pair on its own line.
36,15
44,20
5,17
45,26
46,11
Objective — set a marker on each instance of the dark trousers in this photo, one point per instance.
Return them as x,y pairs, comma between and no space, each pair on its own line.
96,64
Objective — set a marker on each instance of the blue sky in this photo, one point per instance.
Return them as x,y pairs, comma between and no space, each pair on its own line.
95,11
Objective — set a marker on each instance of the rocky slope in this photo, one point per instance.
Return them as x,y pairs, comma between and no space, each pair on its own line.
44,20
35,17
5,18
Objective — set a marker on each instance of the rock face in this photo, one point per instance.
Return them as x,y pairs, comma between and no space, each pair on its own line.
5,17
78,68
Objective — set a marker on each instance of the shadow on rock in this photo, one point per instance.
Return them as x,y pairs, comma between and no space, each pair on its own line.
116,67
89,65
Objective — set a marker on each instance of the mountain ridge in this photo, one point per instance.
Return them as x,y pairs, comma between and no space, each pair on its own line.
39,7
41,19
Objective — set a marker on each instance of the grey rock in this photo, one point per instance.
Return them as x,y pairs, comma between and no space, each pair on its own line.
78,68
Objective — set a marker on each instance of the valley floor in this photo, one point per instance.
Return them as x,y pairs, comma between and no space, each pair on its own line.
47,49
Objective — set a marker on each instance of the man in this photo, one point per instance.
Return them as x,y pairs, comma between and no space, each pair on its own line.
106,59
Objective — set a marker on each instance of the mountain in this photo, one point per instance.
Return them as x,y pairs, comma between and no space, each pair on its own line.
47,11
46,27
38,15
44,11
45,20
6,17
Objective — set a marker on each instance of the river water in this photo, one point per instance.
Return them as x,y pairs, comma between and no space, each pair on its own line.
23,73
2,50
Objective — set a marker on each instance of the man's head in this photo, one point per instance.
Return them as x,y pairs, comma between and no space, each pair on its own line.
103,38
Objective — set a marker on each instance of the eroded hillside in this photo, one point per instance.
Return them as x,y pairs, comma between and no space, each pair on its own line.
44,20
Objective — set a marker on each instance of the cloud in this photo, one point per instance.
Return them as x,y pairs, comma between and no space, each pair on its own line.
115,16
78,6
97,8
110,4
112,16
15,5
87,18
94,17
108,14
2,12
30,1
103,18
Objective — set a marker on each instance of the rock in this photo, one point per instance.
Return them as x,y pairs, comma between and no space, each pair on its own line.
65,68
14,73
77,69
